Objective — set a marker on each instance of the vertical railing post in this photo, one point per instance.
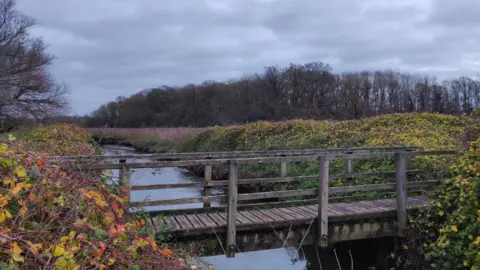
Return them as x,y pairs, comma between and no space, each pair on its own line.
401,192
232,209
323,202
349,168
125,177
283,175
207,189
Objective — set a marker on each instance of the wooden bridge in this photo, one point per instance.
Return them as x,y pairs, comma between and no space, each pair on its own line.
311,216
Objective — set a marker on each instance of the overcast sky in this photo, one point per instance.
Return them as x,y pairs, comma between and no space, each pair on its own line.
110,48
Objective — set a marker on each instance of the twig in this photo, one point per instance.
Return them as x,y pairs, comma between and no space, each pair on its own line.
286,237
301,242
336,257
318,257
351,259
220,241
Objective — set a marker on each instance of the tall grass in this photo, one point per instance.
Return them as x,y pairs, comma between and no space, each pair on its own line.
157,140
165,134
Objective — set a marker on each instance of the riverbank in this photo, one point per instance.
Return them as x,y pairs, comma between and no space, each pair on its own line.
144,140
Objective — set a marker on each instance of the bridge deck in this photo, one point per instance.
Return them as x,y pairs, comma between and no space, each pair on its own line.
278,217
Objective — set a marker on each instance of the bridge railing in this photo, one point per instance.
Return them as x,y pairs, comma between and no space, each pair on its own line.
234,160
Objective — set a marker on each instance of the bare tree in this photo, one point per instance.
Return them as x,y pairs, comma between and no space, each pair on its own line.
27,89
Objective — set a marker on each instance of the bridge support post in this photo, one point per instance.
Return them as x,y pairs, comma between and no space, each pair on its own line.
125,177
401,192
232,209
323,203
283,174
207,189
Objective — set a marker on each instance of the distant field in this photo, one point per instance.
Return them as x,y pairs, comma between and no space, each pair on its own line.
164,134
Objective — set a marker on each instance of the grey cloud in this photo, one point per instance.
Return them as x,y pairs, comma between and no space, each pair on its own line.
110,48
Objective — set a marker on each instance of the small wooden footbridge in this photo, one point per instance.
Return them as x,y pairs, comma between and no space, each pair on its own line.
283,214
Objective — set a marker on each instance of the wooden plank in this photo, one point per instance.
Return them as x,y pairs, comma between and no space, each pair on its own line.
241,219
307,210
373,206
323,202
273,180
338,209
281,214
232,209
401,196
232,154
430,153
293,214
217,218
195,221
206,220
272,215
266,219
276,194
349,189
167,186
172,224
179,201
361,207
358,208
203,162
254,219
303,211
207,190
184,223
344,207
245,218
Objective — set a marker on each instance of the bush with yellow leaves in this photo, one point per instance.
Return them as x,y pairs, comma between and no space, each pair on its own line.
448,231
53,219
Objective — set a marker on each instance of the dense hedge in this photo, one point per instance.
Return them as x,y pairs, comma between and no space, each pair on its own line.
432,131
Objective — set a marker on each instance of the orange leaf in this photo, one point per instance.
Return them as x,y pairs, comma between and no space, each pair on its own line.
100,203
31,197
166,252
17,188
34,247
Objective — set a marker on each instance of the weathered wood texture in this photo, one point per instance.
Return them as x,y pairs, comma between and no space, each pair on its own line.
323,202
282,194
233,154
284,216
249,160
401,192
207,189
232,209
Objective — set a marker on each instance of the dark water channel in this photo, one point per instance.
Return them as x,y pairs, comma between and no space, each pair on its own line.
365,254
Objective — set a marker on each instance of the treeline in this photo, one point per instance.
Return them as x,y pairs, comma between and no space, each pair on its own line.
309,91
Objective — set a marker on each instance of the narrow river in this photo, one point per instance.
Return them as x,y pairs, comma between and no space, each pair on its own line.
363,254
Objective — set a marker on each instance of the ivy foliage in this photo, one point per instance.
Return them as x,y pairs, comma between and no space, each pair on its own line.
449,229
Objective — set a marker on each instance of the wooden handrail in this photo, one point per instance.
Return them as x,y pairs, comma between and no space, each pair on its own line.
286,193
232,154
271,180
257,160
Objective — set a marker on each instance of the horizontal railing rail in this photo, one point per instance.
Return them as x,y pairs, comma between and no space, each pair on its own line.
240,161
232,154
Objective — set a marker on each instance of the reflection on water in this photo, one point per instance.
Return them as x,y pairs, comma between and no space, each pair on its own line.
364,254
